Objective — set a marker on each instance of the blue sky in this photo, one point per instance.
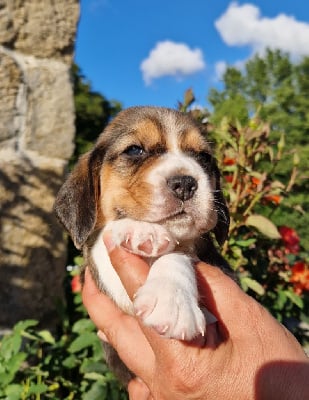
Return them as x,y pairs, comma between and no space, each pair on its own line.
143,52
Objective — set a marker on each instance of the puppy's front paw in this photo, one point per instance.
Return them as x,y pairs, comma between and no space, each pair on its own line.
169,309
142,238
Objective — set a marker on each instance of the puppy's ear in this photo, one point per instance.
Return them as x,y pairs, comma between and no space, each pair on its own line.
221,230
76,202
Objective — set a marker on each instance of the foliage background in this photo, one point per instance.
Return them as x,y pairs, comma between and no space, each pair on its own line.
258,124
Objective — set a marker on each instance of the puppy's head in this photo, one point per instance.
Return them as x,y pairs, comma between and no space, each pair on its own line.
150,164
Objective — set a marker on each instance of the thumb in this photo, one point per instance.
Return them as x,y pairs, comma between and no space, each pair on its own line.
131,269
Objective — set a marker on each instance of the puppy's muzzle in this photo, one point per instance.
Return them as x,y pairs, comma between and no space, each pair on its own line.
182,186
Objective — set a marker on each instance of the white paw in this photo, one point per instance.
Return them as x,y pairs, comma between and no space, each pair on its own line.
171,310
142,238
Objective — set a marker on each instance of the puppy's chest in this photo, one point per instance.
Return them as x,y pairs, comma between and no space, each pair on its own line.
168,300
105,275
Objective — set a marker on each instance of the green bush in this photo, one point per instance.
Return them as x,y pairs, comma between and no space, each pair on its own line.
37,364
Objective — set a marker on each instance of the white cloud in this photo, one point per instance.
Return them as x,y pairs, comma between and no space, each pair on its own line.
171,59
243,25
220,68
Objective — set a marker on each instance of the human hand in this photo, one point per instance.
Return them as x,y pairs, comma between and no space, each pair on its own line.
246,355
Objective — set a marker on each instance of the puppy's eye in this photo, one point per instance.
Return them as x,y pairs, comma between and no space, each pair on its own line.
134,151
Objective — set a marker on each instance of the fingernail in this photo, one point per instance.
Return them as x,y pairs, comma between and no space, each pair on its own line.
102,336
108,241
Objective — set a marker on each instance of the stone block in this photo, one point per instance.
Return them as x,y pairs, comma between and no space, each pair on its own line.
45,29
32,244
49,127
10,85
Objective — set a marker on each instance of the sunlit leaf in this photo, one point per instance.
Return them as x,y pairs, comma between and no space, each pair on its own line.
263,225
13,392
252,284
85,340
47,336
298,301
23,325
83,325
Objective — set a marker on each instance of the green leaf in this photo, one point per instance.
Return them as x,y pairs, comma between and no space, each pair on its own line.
93,366
23,325
252,284
47,336
263,225
13,392
85,340
10,346
281,300
79,261
98,391
15,362
245,243
83,325
38,388
95,376
298,301
70,362
10,368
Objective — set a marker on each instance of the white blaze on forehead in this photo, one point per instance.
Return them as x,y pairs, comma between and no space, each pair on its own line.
173,126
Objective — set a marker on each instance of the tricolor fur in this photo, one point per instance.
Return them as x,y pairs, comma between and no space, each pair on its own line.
152,181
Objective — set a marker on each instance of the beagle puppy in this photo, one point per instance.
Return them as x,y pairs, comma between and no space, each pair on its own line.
152,181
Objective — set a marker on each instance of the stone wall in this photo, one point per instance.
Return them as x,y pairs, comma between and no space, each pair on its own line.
36,140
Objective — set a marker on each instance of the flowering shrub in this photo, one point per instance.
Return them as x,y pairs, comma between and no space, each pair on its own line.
268,260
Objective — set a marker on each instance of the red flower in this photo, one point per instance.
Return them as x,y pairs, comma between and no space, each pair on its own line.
300,277
76,285
290,239
228,178
274,198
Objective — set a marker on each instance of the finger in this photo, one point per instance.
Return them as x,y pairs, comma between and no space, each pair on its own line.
138,390
132,270
122,331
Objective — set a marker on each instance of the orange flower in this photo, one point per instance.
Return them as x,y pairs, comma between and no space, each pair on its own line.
256,181
76,285
229,161
300,277
273,198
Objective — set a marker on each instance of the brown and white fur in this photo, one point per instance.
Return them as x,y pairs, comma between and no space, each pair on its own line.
152,181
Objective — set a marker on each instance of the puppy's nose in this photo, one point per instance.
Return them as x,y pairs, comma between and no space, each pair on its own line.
182,186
